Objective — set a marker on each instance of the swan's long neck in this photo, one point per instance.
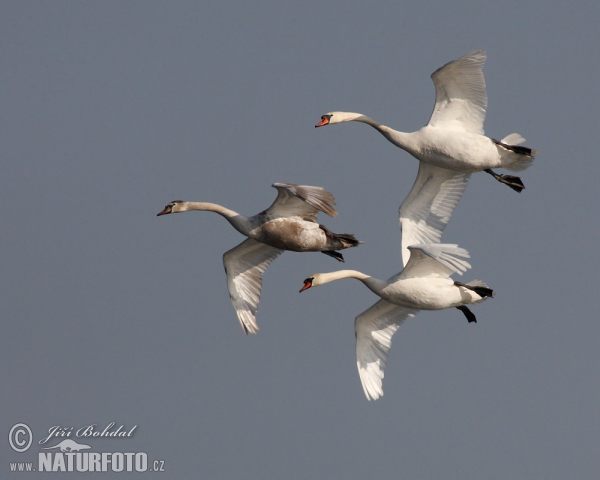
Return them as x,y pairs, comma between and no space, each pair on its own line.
374,284
403,140
239,222
209,207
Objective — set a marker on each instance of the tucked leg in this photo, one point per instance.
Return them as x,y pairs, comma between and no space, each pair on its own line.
337,255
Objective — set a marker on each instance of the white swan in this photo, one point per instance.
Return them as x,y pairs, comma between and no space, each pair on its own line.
288,224
450,147
424,284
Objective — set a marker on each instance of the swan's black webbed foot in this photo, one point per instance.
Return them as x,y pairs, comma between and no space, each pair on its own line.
513,182
468,313
337,255
478,289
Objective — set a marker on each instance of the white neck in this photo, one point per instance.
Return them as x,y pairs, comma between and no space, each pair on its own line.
374,284
403,140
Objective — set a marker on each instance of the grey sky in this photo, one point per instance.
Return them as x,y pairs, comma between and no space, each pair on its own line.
110,110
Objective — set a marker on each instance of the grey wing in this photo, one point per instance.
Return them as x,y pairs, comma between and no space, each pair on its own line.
460,96
374,329
302,200
244,266
439,259
427,208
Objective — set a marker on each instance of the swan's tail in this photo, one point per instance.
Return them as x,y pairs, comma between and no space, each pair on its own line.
348,240
341,240
338,241
524,157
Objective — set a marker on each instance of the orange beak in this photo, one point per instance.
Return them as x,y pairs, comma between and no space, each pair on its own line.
324,121
307,285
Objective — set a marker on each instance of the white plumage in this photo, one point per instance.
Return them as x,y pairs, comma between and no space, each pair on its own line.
450,147
424,284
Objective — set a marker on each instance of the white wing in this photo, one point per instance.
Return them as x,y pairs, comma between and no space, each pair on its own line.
302,200
460,96
427,209
439,259
245,265
374,329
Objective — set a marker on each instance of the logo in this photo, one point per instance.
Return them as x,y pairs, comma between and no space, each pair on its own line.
69,455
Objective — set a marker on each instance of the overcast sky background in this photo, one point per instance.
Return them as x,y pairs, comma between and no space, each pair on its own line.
110,110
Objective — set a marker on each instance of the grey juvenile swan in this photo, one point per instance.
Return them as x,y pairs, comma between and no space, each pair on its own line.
288,224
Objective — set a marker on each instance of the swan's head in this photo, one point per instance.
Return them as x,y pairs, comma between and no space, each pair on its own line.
308,283
314,280
332,118
176,206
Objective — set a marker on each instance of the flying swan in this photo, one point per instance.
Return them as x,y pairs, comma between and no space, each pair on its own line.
450,147
288,224
424,284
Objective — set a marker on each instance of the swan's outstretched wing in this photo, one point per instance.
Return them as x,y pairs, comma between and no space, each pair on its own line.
426,210
245,265
460,96
374,329
438,259
302,200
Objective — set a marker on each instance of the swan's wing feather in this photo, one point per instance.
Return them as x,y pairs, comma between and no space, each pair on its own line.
427,208
439,259
303,200
374,329
460,96
244,266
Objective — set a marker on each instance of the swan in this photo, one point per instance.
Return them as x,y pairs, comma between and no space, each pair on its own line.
450,147
424,284
288,224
